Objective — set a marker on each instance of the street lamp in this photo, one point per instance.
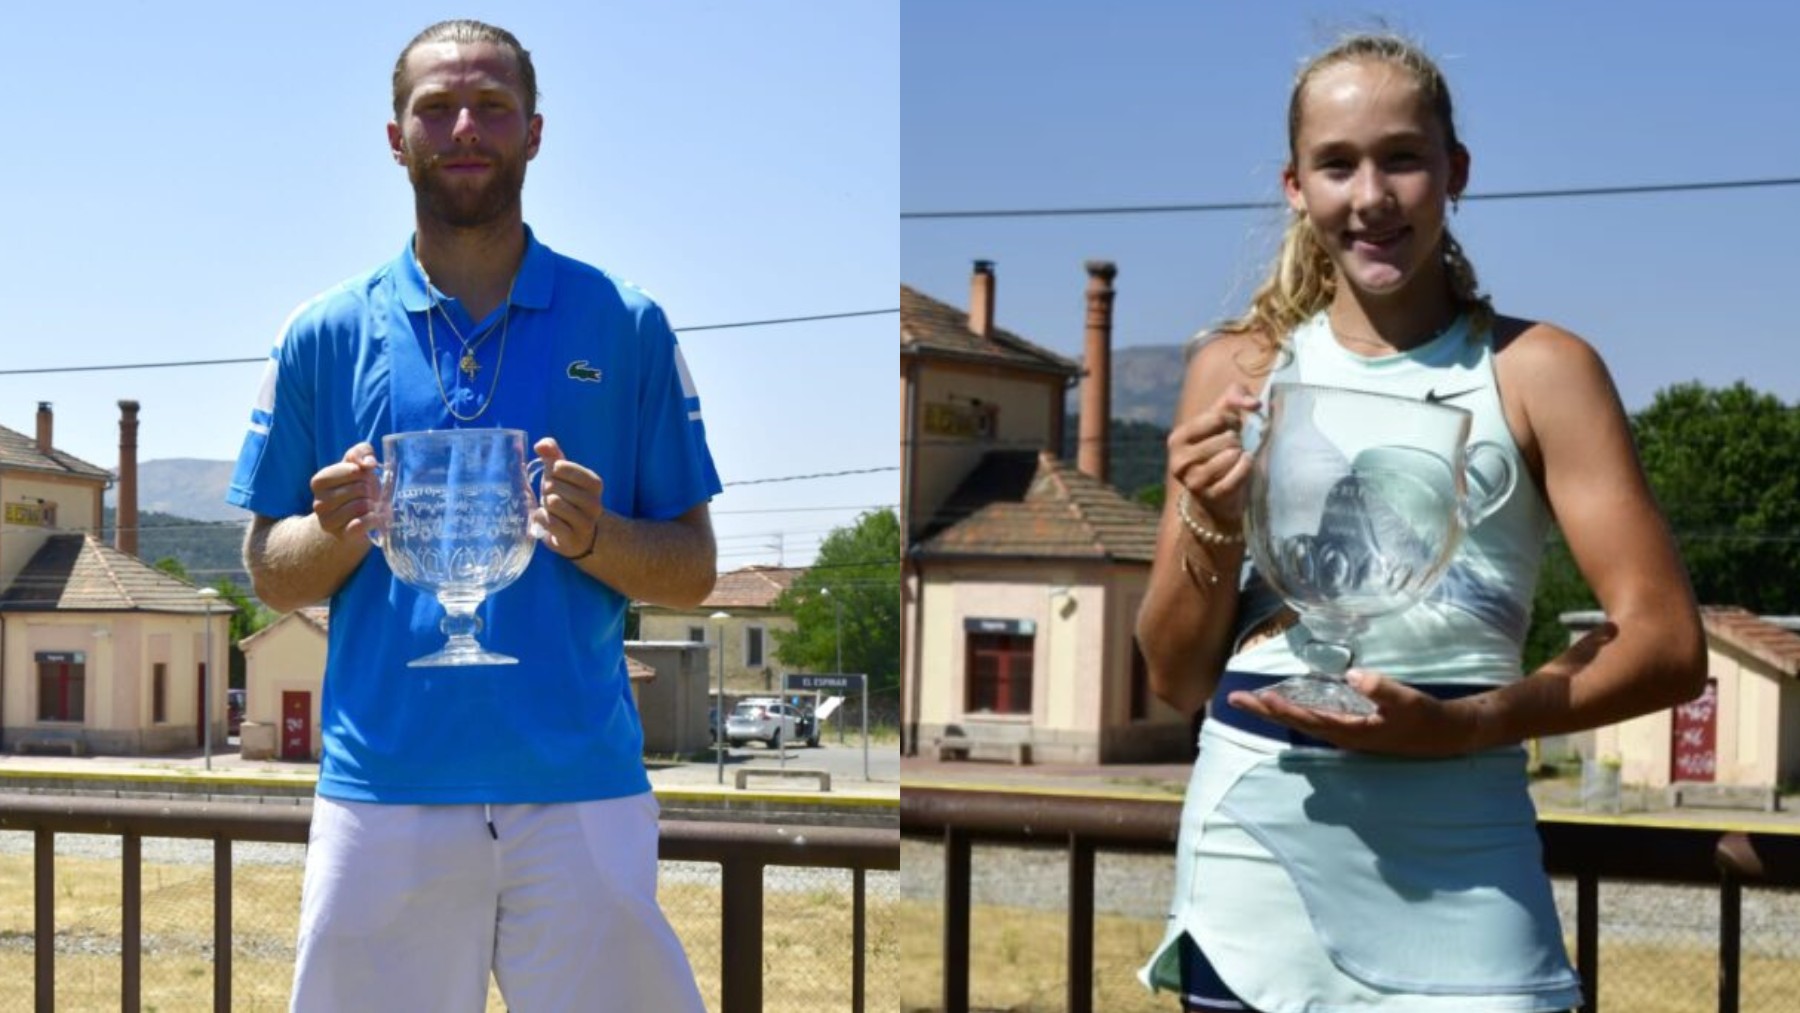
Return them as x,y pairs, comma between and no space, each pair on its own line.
837,612
207,596
719,708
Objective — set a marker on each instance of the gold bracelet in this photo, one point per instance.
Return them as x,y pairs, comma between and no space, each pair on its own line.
1203,579
1206,535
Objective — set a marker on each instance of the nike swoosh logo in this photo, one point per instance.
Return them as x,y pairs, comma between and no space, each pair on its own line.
1433,397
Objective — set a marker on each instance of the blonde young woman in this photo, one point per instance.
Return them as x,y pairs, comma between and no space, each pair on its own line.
1391,862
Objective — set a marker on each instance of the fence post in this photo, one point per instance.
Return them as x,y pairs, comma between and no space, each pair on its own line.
956,920
131,923
44,924
1081,925
1587,938
1737,860
742,887
222,924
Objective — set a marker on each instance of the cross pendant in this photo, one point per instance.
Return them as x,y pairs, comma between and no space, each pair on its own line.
468,365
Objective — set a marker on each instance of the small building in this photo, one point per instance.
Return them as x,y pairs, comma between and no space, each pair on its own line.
670,683
102,653
284,678
1744,728
748,597
1023,572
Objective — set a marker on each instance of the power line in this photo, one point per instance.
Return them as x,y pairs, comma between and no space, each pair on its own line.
788,320
1161,209
821,474
243,362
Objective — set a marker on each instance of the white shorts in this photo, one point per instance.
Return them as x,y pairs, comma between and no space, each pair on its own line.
410,906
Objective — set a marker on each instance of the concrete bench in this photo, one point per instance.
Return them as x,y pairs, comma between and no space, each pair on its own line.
744,774
1706,795
47,742
963,747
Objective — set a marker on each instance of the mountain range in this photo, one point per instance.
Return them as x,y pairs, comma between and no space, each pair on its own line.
1146,382
185,487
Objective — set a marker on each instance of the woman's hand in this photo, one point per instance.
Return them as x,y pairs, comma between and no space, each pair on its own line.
1207,458
1406,722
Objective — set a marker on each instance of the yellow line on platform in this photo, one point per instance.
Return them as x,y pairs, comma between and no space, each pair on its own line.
1014,789
154,777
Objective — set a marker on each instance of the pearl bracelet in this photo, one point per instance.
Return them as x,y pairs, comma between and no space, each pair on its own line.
1207,536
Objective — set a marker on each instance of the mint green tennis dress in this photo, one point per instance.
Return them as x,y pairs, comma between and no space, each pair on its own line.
1315,879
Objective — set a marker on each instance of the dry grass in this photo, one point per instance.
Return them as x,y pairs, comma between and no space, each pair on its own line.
1017,957
806,947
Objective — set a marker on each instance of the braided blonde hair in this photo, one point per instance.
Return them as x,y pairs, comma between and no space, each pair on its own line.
1302,281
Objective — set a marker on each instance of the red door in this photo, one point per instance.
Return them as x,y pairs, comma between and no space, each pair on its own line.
1696,746
296,726
200,704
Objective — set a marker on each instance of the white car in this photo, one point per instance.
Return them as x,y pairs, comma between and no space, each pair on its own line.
762,718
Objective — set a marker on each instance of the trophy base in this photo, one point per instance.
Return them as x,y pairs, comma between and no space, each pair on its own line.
457,655
1329,694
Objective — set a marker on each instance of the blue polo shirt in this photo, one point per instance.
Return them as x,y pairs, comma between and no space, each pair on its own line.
575,355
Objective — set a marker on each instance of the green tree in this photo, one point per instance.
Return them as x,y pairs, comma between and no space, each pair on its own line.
248,617
1725,466
1139,456
860,565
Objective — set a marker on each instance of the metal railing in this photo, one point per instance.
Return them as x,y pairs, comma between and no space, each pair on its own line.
1586,850
741,850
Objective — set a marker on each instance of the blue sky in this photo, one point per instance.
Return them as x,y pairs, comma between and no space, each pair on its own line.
1015,104
184,174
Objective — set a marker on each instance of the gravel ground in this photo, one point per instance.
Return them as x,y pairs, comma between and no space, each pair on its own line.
1139,886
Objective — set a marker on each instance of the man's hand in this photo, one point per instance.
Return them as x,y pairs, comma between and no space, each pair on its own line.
569,509
345,493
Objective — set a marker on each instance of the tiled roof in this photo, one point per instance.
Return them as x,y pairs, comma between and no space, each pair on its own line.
1019,504
20,451
1771,644
753,587
77,573
929,327
314,617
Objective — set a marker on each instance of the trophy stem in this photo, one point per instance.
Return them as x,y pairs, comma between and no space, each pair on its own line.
1328,655
460,624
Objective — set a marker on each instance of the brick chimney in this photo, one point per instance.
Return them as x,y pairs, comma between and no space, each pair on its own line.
125,521
45,420
1094,456
981,298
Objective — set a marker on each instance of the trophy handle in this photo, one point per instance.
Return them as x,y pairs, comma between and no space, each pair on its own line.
534,473
378,510
1491,475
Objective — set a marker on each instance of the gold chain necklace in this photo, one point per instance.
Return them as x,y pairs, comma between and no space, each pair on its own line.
468,359
467,364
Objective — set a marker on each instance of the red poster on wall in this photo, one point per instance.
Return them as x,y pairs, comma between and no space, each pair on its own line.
296,726
1696,747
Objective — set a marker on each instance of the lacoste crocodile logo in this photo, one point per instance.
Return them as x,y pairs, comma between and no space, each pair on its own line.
580,370
1433,397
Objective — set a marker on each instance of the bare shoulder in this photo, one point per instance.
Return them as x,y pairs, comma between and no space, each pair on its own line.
1220,359
1537,357
1539,344
1235,355
1556,389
